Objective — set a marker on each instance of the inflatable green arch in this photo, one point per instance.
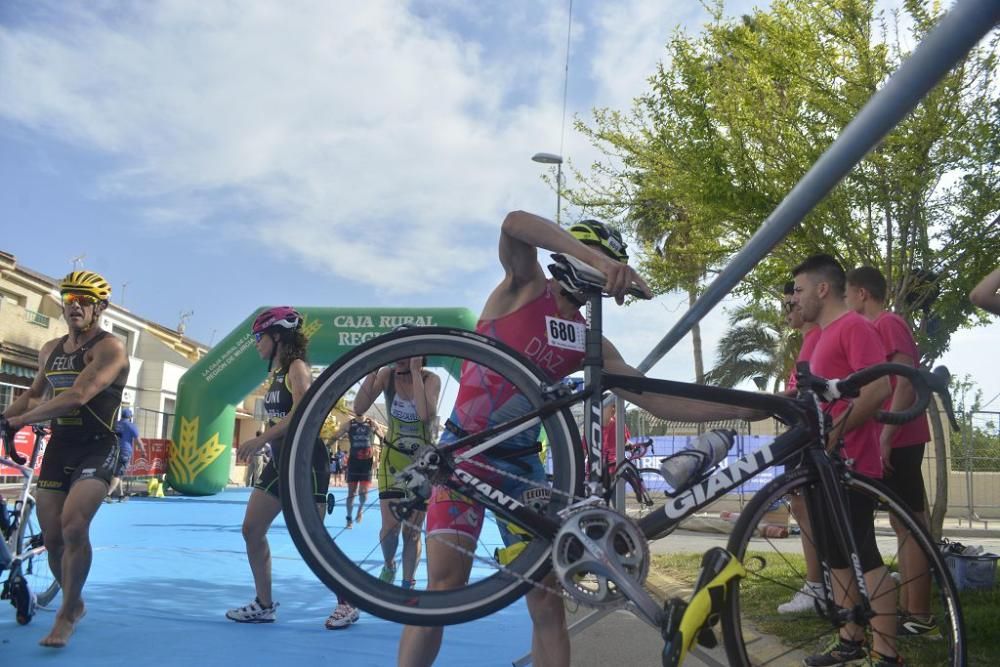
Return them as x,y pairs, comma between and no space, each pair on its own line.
201,450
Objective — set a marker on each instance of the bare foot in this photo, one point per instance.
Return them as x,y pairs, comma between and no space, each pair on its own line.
64,626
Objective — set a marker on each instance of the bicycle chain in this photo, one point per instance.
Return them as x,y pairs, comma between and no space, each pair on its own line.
561,592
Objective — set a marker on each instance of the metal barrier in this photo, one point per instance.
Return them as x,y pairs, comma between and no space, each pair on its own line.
976,456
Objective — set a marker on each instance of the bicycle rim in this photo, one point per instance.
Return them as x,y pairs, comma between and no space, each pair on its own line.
351,561
756,634
36,569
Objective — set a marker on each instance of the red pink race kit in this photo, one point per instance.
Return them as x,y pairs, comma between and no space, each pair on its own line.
556,345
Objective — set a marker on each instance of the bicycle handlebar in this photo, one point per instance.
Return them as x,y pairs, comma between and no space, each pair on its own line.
7,432
924,383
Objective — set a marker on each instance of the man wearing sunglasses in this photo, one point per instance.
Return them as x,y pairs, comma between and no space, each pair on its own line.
80,390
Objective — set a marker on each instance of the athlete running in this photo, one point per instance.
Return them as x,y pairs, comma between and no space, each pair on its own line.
360,464
411,394
84,373
279,337
520,312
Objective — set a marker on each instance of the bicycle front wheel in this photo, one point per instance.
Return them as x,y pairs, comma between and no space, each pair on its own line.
35,568
756,633
361,559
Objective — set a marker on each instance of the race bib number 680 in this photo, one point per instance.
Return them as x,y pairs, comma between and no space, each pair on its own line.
565,334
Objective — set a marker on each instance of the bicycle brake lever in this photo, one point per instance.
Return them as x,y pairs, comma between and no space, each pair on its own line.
939,379
9,433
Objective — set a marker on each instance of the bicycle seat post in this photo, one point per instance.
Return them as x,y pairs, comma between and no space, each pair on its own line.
593,365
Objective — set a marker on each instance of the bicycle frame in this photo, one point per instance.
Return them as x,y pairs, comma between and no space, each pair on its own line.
28,472
596,381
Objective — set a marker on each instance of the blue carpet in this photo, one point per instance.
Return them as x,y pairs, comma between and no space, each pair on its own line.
166,569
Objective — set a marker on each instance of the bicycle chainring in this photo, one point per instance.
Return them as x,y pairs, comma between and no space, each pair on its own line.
588,541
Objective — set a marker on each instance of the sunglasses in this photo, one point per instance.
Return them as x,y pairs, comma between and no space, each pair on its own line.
789,306
79,299
257,336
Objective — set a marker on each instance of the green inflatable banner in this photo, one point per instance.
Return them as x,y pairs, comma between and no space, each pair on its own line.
201,450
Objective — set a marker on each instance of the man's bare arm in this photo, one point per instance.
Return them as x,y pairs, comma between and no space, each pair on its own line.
672,407
35,394
985,294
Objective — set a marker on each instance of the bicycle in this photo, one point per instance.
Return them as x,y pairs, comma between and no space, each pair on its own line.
631,471
600,557
29,584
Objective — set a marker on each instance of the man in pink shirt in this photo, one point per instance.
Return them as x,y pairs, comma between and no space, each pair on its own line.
804,599
902,447
848,343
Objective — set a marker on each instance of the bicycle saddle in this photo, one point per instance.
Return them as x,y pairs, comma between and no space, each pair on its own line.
578,276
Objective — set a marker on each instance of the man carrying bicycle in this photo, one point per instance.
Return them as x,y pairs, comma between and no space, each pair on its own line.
86,372
540,318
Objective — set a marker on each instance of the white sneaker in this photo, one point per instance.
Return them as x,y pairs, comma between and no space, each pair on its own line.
254,612
803,600
342,617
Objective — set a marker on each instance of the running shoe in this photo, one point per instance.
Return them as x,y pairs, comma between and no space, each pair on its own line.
350,523
911,626
342,617
330,502
358,517
805,599
254,612
388,574
408,584
838,652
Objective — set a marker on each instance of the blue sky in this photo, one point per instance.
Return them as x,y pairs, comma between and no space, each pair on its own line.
220,156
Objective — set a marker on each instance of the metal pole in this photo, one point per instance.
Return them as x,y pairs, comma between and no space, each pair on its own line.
956,34
558,191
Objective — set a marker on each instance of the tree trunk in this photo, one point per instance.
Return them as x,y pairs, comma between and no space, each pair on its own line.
942,470
699,361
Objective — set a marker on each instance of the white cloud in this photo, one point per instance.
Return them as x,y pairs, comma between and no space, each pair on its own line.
330,132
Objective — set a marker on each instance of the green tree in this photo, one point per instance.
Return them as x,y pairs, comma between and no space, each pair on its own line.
738,113
757,346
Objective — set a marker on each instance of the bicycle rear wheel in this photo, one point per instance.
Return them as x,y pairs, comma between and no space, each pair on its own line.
35,568
352,561
756,634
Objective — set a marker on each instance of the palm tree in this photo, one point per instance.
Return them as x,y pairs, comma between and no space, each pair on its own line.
757,347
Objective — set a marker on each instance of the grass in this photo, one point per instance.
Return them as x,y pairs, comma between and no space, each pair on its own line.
759,597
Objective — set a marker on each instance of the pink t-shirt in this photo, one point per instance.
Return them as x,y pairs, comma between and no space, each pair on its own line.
849,344
897,338
805,354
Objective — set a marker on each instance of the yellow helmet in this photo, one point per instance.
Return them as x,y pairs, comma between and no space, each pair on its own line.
86,282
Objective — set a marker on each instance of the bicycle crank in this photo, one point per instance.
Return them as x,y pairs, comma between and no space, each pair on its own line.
601,558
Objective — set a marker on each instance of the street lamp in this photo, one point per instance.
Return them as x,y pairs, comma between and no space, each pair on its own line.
552,158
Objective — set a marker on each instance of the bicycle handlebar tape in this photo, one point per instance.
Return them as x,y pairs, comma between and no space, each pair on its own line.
9,435
918,380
